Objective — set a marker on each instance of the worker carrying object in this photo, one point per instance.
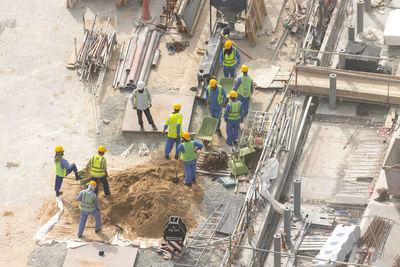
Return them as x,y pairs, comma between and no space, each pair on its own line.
63,168
229,59
98,170
244,87
174,122
89,206
216,97
189,157
233,116
141,101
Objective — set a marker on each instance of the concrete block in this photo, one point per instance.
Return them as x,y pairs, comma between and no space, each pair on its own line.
391,34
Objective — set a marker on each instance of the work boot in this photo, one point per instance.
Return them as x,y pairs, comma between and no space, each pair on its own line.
77,177
98,230
141,128
167,157
184,183
235,142
228,143
176,157
219,132
58,193
154,127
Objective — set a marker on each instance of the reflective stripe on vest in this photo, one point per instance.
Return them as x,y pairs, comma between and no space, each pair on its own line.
60,171
87,203
189,154
147,96
173,122
245,86
220,98
229,59
234,111
97,166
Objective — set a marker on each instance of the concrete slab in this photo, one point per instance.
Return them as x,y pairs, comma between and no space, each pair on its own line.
162,107
262,72
89,256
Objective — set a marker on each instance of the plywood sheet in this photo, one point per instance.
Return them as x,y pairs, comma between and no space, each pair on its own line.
162,107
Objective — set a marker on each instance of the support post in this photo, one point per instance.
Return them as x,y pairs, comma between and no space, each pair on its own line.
342,59
297,198
286,225
367,5
351,33
360,16
332,91
277,248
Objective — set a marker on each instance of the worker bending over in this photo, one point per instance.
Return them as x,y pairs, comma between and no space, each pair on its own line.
244,87
174,122
89,206
63,168
215,97
98,170
233,116
189,157
229,59
141,101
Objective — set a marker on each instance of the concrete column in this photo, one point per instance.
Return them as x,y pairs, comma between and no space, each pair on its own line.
332,91
360,16
342,59
367,5
297,198
351,32
286,225
277,248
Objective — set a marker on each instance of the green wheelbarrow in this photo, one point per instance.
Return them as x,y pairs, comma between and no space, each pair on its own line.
207,130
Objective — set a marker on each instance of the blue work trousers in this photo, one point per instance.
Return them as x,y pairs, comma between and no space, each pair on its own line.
245,104
170,144
59,179
232,130
83,219
215,112
104,181
229,71
190,171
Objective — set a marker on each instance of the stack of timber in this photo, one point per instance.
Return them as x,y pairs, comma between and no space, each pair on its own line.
354,85
256,12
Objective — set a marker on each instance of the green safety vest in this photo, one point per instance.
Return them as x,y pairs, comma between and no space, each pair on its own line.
60,171
234,111
229,60
173,121
147,96
87,203
97,166
244,88
189,154
220,98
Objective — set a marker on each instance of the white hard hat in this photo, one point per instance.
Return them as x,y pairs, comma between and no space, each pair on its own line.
140,85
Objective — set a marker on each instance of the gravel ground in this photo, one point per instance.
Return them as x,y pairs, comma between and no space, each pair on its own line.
52,255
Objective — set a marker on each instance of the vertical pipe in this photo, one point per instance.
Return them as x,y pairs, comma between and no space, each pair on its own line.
138,55
367,5
342,59
286,225
332,91
351,33
149,56
297,198
277,250
360,16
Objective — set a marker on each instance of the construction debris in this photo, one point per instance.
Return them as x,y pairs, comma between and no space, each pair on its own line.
176,46
214,161
383,194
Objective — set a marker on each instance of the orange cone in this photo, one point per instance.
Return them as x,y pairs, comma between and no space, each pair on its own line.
145,10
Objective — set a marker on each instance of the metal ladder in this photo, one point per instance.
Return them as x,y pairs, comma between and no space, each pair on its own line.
204,236
255,120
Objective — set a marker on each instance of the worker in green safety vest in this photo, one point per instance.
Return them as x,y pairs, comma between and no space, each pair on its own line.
97,165
174,126
229,59
215,97
233,116
244,87
63,168
189,157
89,206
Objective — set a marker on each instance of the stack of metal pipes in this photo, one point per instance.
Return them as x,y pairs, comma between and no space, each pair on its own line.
96,50
136,58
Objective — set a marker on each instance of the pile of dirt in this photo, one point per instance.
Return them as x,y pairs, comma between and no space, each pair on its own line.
142,199
214,161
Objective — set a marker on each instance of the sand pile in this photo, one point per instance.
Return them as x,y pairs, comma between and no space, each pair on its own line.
142,199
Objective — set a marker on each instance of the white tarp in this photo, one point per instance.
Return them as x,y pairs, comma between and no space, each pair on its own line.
43,231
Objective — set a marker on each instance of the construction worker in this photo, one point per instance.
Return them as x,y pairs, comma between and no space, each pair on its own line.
98,169
141,101
189,157
233,116
244,87
216,97
229,59
89,206
174,122
63,168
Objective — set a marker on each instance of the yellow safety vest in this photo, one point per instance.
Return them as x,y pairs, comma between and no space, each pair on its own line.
229,59
173,121
234,111
97,166
60,171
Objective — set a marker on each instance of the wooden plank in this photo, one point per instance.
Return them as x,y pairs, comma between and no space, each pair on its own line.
390,117
196,20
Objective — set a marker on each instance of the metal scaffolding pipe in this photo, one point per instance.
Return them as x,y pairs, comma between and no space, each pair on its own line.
360,16
120,59
122,70
351,33
286,225
277,248
156,58
132,52
139,51
297,198
332,91
149,56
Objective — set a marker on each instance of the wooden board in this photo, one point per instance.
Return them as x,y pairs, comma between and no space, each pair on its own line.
256,11
390,117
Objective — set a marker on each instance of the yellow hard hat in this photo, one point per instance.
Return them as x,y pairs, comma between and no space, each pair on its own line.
212,83
59,148
228,44
93,183
233,94
177,106
186,135
102,149
245,68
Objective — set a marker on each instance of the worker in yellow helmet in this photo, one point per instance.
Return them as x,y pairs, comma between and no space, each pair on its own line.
244,87
89,206
174,122
215,97
97,165
229,59
233,116
189,157
63,168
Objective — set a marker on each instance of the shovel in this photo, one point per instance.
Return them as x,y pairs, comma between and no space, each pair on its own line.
112,222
